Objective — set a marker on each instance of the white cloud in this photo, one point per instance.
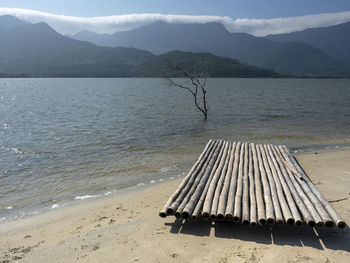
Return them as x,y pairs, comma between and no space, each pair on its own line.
109,24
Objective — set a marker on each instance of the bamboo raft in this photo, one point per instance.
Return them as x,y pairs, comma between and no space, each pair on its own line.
252,184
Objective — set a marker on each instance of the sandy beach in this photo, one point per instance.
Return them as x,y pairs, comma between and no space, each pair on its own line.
126,227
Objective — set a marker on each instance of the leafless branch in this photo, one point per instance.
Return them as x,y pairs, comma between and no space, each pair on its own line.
198,80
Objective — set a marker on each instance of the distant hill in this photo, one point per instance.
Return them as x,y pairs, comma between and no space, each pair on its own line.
217,66
36,50
333,40
286,57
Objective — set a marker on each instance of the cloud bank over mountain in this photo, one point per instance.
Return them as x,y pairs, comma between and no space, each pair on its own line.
110,24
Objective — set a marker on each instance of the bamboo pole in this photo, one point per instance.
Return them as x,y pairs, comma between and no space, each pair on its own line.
282,189
298,175
274,195
199,206
188,201
317,204
291,189
211,191
219,186
196,195
233,185
209,146
180,199
245,197
258,187
317,220
252,197
237,212
270,218
332,213
226,186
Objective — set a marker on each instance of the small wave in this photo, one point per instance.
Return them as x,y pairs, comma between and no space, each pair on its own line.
3,171
108,193
13,149
152,182
169,168
8,207
85,197
54,206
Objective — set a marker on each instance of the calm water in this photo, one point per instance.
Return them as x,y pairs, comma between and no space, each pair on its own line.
67,139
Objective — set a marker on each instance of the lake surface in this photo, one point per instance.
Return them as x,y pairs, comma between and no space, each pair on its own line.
68,139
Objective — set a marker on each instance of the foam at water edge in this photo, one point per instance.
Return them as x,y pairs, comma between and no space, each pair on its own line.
85,197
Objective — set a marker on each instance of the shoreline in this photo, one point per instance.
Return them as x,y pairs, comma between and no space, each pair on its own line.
93,196
82,200
126,227
320,148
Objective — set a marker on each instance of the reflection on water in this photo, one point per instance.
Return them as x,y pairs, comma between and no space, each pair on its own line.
66,138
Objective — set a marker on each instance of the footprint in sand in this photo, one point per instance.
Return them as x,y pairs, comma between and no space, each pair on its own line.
95,247
84,247
20,252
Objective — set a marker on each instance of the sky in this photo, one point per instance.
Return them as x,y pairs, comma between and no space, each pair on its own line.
231,8
257,17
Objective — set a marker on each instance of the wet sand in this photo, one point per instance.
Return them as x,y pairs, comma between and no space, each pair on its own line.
126,228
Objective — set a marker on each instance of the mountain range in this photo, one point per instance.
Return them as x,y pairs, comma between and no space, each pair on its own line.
332,40
286,55
37,50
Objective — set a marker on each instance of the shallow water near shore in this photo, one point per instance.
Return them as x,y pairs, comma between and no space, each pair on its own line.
72,139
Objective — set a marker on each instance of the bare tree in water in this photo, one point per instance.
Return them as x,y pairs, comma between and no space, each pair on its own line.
197,85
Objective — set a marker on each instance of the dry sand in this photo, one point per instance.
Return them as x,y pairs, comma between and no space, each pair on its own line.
126,228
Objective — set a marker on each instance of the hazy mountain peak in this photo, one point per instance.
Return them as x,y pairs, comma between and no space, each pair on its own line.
44,27
11,19
161,27
333,40
8,22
